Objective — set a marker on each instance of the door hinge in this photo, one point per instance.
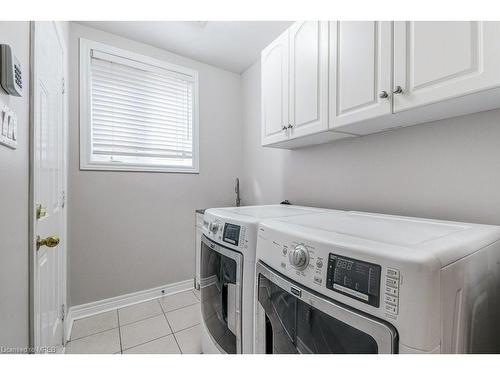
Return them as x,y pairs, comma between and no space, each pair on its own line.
63,86
63,312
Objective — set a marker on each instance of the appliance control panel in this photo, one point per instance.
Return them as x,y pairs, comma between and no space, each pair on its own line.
229,234
354,278
339,272
301,259
391,291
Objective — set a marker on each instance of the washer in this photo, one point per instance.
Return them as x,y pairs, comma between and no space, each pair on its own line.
228,274
357,282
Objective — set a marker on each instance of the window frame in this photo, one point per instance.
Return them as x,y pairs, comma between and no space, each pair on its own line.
86,162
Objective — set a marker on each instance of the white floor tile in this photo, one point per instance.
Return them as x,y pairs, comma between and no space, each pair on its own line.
139,311
190,340
164,345
184,318
94,324
107,342
178,300
143,331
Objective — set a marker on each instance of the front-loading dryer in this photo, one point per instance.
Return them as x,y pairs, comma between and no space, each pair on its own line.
357,282
228,273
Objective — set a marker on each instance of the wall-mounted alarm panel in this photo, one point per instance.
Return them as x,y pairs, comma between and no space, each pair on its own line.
10,71
8,127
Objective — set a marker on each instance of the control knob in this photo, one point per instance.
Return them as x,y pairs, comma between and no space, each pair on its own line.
214,227
299,257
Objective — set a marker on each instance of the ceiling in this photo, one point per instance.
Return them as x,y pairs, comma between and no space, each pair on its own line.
230,45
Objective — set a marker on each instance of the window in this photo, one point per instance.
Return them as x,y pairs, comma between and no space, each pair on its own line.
136,113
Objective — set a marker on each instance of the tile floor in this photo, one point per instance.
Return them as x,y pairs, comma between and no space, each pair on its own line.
168,325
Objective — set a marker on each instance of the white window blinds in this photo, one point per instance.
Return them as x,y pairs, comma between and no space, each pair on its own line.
141,114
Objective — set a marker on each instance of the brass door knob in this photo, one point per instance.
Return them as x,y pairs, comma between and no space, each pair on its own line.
51,241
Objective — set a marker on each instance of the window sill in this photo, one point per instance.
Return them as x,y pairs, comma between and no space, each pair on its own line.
137,168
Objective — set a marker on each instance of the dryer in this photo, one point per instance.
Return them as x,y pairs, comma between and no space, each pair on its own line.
359,282
228,273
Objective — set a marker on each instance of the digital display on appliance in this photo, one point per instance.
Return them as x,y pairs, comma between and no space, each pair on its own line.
231,234
354,278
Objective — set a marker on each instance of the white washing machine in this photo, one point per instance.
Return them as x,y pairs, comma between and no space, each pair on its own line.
357,282
228,274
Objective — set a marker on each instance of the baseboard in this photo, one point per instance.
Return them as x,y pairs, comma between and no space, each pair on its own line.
92,308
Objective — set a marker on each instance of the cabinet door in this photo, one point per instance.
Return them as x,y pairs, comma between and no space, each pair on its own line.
308,78
274,74
435,61
360,72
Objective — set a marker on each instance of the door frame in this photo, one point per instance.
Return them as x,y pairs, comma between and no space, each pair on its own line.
31,205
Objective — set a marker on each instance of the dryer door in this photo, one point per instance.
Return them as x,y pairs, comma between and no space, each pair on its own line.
291,319
220,292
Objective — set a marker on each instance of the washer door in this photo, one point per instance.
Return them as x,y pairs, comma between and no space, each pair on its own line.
290,319
220,292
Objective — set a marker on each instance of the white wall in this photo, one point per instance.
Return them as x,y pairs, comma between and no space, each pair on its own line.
449,169
14,179
131,231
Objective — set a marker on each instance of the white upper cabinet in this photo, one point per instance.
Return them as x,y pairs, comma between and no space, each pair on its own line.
360,71
274,73
322,81
308,79
436,61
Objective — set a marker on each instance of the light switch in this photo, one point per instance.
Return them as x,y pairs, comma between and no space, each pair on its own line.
3,115
14,127
8,127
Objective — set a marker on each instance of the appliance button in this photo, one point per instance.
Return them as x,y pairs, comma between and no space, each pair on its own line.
285,250
391,299
392,282
319,263
390,290
318,279
391,272
391,309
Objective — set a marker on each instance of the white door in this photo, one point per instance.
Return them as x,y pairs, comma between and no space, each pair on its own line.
360,71
308,78
274,65
435,61
49,275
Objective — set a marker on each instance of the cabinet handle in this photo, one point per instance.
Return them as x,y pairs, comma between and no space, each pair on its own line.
398,90
383,95
290,126
284,127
